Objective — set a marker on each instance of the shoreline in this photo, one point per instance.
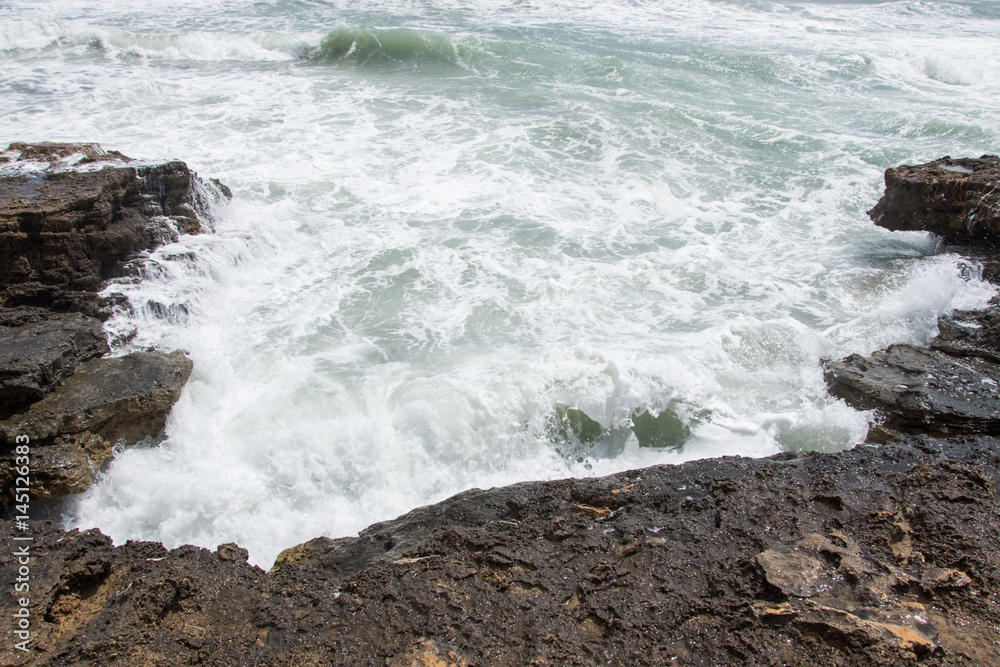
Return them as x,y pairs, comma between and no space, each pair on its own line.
866,556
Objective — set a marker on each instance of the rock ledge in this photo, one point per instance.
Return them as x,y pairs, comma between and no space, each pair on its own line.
71,216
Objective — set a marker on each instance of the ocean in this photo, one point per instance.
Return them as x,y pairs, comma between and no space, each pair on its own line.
476,242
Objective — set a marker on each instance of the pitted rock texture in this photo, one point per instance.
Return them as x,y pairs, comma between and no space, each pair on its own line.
958,199
877,556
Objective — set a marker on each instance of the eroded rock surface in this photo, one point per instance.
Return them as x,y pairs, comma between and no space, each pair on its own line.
918,390
35,358
958,199
952,387
71,216
878,556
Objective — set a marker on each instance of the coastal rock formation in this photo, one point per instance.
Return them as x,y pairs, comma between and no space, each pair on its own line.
71,216
106,401
958,200
920,390
35,358
876,556
952,388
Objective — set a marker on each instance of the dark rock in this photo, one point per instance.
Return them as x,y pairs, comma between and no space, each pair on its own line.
36,357
970,333
958,200
118,398
921,391
954,386
107,400
72,214
876,556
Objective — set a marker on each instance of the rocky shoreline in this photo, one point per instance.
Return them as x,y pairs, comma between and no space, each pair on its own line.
883,555
71,217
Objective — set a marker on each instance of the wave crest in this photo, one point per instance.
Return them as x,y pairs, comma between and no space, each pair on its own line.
389,47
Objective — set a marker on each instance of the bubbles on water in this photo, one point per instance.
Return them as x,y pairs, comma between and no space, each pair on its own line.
477,244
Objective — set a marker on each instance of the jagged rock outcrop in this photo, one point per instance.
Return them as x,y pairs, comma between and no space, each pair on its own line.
917,390
952,388
877,556
71,216
106,401
958,200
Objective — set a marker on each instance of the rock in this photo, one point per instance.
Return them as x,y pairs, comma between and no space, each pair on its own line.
671,573
970,333
920,390
958,200
119,398
796,571
36,357
105,401
72,214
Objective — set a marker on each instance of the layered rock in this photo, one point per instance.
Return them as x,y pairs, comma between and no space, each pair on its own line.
952,388
876,556
958,200
105,402
35,358
72,216
917,390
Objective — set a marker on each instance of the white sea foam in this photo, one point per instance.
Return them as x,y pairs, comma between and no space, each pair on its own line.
603,207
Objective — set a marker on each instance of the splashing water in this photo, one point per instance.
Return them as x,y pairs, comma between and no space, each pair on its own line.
478,243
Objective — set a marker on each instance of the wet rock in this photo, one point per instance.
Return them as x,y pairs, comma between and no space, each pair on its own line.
670,570
804,569
970,333
918,390
35,358
107,400
72,214
958,199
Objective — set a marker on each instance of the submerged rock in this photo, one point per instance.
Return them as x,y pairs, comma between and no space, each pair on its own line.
958,200
875,556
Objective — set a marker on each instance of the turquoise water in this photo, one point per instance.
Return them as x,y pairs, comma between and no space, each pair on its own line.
476,243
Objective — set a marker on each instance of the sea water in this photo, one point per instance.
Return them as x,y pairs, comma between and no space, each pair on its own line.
474,243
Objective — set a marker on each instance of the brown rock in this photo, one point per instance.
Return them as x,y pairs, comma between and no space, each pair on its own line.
958,200
108,400
72,214
479,579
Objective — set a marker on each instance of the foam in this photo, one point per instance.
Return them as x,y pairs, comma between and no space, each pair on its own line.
602,207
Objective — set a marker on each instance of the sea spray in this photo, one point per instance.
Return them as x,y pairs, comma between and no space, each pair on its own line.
481,243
